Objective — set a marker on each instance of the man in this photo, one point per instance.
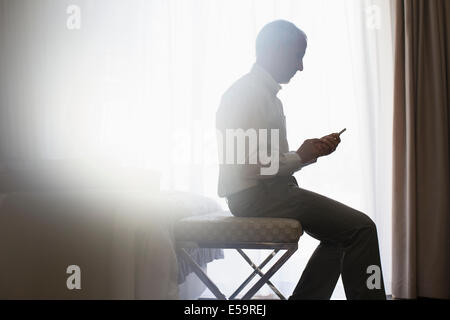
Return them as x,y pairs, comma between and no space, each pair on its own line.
348,238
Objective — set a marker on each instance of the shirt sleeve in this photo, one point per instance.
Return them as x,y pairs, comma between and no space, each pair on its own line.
288,163
292,162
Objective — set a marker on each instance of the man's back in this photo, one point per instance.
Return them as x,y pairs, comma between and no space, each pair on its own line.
251,105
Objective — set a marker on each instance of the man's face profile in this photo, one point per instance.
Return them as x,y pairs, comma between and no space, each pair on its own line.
281,47
290,60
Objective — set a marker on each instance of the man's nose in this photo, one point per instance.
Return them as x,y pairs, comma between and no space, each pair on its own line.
300,66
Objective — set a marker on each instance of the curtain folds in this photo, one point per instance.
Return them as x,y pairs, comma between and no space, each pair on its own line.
421,208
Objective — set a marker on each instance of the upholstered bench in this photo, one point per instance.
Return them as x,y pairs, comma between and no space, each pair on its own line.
225,231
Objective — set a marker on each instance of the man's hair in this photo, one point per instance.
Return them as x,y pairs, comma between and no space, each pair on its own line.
277,33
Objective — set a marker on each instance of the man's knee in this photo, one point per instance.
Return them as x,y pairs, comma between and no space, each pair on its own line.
367,223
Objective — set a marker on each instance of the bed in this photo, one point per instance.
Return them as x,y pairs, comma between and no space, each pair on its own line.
118,231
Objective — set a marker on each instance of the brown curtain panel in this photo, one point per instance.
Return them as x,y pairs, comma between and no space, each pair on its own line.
421,211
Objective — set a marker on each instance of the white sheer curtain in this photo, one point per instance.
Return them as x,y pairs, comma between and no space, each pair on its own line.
140,81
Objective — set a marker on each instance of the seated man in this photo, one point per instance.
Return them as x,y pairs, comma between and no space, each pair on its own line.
256,187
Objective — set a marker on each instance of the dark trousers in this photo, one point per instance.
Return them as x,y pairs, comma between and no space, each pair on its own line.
348,238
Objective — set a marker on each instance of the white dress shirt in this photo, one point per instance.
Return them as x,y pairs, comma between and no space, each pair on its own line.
252,103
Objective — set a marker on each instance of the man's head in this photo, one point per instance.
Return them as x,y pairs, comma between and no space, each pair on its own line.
280,47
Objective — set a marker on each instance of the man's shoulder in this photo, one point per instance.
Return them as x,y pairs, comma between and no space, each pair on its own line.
239,102
243,88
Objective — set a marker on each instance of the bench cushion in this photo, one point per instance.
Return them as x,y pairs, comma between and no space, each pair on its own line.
225,228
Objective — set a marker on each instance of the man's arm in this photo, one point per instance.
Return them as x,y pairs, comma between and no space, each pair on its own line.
307,154
243,112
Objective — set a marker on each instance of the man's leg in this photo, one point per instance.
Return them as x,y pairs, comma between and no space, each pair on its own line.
321,274
349,244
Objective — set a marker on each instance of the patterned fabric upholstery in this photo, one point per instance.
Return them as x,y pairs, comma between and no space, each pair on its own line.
225,228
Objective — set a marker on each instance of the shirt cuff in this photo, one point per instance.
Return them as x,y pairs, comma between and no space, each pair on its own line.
293,160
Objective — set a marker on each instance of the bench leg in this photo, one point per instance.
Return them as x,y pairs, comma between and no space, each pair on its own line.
257,270
253,290
265,278
203,276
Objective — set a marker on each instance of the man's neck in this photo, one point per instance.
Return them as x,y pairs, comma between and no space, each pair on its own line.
270,70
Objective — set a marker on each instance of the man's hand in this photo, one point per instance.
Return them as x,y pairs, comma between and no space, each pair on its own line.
332,141
312,149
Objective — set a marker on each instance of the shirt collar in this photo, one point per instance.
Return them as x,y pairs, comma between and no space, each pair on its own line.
266,78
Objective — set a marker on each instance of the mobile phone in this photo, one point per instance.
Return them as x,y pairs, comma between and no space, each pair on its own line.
342,131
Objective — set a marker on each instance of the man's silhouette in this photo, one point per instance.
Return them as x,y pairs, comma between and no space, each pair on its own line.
348,238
